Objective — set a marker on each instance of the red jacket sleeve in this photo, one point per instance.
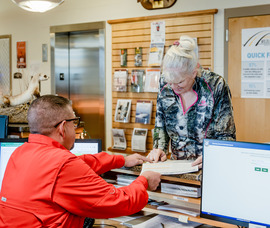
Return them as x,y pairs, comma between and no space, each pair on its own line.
103,162
81,191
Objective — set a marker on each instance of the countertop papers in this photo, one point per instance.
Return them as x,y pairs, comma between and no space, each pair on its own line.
170,167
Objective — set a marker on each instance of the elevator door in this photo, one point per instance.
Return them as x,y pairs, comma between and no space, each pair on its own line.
80,76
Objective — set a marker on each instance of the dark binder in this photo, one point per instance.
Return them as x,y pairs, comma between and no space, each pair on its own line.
3,126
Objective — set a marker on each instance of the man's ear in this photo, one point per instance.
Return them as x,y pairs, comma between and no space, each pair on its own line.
62,128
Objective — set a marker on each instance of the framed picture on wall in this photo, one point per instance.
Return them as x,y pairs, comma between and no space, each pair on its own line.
21,54
5,59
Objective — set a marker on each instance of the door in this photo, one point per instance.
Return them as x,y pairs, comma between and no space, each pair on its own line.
79,76
251,114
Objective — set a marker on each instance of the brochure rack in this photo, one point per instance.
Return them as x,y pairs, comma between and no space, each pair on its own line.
132,33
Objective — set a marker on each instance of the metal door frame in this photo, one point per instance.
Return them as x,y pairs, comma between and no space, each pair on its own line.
101,26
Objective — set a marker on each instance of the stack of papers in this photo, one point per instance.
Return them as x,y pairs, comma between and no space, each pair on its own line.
170,167
180,209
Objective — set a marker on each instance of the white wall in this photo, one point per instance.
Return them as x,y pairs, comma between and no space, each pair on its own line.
34,29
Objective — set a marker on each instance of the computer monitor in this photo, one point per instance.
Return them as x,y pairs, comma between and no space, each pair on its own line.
7,146
236,183
86,146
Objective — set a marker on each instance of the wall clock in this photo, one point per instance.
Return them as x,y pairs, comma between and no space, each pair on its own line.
157,4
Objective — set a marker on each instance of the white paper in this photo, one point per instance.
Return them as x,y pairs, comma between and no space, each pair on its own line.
120,80
139,139
152,80
255,72
170,167
158,32
119,139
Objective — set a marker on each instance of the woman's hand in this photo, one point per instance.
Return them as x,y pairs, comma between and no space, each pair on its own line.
198,162
156,155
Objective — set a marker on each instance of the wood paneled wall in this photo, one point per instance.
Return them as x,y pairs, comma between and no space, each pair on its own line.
136,32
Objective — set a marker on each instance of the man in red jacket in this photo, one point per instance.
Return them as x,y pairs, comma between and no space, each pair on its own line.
45,185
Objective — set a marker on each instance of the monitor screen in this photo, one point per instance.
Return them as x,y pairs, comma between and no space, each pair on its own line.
7,146
236,182
86,146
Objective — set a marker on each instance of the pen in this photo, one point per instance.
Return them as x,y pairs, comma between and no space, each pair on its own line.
162,225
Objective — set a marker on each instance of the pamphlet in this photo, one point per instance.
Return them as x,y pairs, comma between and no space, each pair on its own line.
137,80
119,139
123,57
152,80
122,110
143,112
156,54
138,56
120,80
139,139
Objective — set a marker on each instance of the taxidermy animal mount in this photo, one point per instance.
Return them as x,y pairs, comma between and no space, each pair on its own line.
156,4
27,95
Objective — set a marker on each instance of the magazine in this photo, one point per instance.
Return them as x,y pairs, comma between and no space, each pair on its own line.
137,80
143,112
122,110
152,80
123,57
156,54
119,139
138,56
139,139
120,80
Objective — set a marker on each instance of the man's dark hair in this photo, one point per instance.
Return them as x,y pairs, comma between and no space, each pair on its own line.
46,111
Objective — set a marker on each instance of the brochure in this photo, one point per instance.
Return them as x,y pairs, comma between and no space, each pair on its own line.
138,56
143,112
152,80
123,57
119,139
120,80
122,110
137,80
156,54
139,139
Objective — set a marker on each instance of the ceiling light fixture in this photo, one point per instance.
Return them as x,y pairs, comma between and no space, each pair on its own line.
38,5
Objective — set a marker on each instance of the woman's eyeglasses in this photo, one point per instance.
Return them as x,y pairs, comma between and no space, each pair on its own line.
76,122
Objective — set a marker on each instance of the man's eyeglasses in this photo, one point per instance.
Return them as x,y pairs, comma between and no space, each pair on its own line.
76,122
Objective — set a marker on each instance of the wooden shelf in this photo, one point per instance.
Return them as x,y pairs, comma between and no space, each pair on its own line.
167,178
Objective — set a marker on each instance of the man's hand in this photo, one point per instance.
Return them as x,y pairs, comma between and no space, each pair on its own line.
198,162
157,154
135,159
153,179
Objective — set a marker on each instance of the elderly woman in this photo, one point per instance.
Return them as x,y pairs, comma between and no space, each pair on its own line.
192,104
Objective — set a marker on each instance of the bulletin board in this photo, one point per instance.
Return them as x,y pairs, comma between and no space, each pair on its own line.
136,32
